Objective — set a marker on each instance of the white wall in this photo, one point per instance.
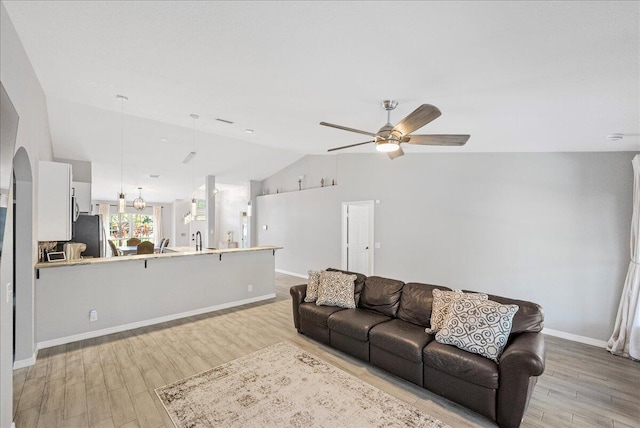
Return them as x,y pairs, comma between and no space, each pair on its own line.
181,236
22,86
231,201
548,227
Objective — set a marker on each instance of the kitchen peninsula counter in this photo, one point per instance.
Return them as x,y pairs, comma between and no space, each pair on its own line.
128,292
171,252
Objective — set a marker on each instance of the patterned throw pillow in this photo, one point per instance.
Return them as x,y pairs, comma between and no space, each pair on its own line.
442,302
312,286
336,289
481,327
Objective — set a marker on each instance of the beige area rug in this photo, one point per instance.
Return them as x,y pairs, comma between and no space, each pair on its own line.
284,386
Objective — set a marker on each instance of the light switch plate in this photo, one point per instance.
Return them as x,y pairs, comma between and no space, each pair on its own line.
377,245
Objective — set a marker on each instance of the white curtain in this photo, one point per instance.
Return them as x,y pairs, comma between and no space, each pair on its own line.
625,339
157,224
103,210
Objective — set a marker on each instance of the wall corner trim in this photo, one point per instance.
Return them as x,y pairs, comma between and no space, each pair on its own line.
575,338
26,362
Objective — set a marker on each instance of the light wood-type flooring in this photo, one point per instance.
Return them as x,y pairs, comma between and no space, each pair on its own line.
109,381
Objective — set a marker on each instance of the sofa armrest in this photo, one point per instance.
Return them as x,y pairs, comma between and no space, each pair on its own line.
520,364
525,353
298,293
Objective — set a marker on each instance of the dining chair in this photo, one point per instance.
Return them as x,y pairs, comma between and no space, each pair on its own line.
133,242
114,250
145,247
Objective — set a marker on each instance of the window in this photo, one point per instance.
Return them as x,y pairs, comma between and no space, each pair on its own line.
125,226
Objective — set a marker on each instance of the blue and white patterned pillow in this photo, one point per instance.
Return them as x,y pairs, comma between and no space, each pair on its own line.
481,327
312,286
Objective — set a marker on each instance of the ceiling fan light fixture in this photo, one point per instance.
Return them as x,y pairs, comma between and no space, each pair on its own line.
387,146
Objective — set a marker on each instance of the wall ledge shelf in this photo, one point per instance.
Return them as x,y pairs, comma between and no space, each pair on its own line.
299,191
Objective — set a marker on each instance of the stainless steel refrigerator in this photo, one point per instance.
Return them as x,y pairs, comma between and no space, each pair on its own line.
89,230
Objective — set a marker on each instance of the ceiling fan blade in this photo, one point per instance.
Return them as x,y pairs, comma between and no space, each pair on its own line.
344,128
437,140
350,145
395,153
418,118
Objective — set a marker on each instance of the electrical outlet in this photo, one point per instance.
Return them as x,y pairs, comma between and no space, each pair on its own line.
93,315
250,287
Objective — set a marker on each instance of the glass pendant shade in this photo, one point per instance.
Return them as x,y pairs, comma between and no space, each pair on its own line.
194,208
122,203
139,203
249,209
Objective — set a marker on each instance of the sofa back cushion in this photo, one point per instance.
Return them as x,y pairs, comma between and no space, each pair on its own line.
381,295
359,284
416,302
529,318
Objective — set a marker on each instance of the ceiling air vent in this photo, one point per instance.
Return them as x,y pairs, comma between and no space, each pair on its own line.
154,175
224,120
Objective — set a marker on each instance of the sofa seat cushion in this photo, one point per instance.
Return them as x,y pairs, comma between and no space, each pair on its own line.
416,302
355,323
400,338
464,365
381,295
317,314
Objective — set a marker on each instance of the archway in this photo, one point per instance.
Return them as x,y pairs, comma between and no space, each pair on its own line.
25,340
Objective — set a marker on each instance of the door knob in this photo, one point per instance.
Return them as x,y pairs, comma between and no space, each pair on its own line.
366,248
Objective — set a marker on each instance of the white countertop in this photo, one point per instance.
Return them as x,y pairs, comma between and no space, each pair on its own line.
173,252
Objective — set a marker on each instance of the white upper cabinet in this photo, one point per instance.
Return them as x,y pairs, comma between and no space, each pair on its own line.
54,201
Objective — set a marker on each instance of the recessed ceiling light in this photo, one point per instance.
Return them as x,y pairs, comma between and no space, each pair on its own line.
154,175
225,121
164,140
615,137
249,131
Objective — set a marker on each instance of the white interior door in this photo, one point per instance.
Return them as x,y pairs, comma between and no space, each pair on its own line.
357,232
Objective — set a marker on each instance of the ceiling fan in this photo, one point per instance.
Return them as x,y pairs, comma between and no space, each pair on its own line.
389,137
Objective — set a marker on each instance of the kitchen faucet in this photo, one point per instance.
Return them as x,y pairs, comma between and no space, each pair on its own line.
198,236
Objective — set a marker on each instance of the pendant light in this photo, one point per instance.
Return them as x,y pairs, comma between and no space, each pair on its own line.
122,203
139,203
249,209
194,204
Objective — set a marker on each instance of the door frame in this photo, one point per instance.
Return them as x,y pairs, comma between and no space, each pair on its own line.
370,204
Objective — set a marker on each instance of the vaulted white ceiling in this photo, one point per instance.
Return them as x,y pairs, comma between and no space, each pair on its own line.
517,76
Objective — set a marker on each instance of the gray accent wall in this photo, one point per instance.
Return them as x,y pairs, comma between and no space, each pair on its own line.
144,291
24,90
548,227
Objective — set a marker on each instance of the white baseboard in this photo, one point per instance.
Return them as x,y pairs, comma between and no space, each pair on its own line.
575,338
124,327
286,272
27,362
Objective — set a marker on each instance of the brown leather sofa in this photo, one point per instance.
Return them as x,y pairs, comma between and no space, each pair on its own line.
387,329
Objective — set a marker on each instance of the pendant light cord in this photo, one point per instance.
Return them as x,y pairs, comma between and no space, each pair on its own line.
121,142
